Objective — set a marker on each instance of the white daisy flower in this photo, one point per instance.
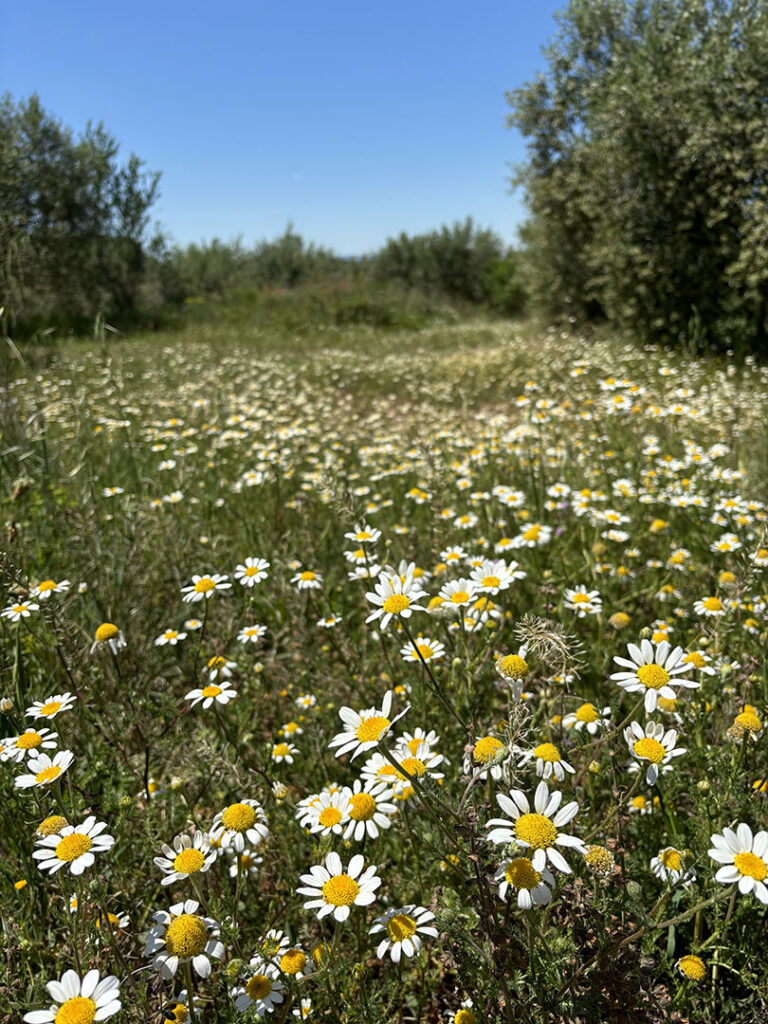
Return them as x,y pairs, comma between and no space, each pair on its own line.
364,534
251,634
365,729
328,622
583,601
328,812
45,588
252,571
307,580
534,536
306,700
589,718
744,859
204,587
668,866
514,669
458,593
16,748
404,927
494,575
394,597
426,650
79,1000
303,1010
653,671
182,935
332,890
108,637
245,864
170,636
189,855
219,667
44,771
652,745
262,989
549,761
222,693
538,829
423,762
238,822
73,847
284,752
710,608
369,809
489,754
534,888
17,612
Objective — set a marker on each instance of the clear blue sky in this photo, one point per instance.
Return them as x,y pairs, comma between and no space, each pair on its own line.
355,120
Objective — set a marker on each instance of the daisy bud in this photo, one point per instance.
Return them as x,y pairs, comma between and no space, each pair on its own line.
176,783
646,633
6,705
634,890
703,785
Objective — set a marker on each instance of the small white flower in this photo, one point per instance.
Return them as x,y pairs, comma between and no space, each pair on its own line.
534,888
183,935
73,847
404,927
77,999
653,670
394,597
189,855
170,636
28,744
204,587
238,822
251,634
222,693
44,771
744,859
654,745
17,612
252,571
538,829
332,890
365,729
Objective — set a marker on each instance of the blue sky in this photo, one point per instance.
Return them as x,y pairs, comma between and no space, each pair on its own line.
354,120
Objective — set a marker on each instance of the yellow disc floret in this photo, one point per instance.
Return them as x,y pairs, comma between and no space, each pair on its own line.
211,691
650,750
395,604
238,817
485,749
512,666
671,859
521,874
50,708
587,713
536,830
400,927
293,961
78,1010
258,987
106,631
52,826
341,891
362,807
329,816
73,846
653,676
188,861
204,585
547,752
751,865
48,774
372,729
186,936
692,967
29,741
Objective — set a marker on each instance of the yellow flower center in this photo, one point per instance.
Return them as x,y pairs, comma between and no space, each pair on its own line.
293,961
106,631
76,1011
186,936
341,891
587,713
580,598
29,740
281,750
653,676
521,874
752,865
485,748
693,967
180,1012
217,661
695,659
48,774
258,987
329,816
372,729
513,666
238,817
536,830
211,691
307,576
362,807
713,604
671,859
425,651
599,859
460,597
547,752
532,533
51,826
45,586
400,927
50,708
204,585
748,721
73,846
650,750
251,570
413,766
188,861
363,535
491,581
396,603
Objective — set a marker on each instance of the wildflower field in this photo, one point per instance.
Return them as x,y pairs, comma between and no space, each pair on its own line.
372,676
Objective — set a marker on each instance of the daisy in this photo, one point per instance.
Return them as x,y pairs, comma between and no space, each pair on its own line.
251,634
413,740
284,752
79,1001
692,968
489,754
221,693
744,858
219,666
654,745
245,864
334,891
426,650
583,602
170,636
108,636
587,717
16,748
548,761
329,622
534,536
394,596
189,855
262,989
17,612
514,669
364,534
458,593
252,571
539,829
307,580
44,771
419,764
492,576
368,809
304,1009
709,607
668,866
306,700
652,669
404,927
204,587
44,589
534,888
182,935
364,730
238,822
73,847
193,624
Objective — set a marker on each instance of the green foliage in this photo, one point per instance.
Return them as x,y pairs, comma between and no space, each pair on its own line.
72,218
646,172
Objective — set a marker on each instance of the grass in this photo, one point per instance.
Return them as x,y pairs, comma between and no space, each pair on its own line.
129,467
